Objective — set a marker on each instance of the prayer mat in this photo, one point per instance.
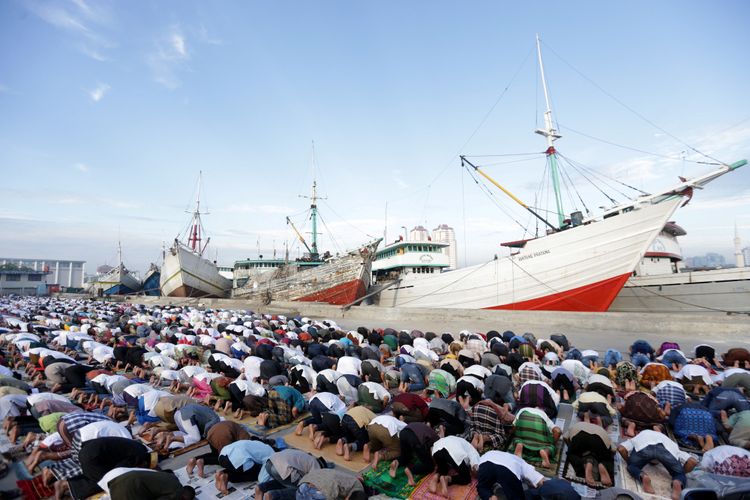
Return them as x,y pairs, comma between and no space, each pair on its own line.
660,480
380,480
252,426
328,451
569,474
186,449
554,461
455,491
205,489
34,489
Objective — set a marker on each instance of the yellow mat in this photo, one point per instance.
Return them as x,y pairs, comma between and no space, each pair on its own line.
328,452
261,431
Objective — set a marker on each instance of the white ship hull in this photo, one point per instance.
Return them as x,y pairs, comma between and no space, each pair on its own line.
118,281
717,290
579,269
186,274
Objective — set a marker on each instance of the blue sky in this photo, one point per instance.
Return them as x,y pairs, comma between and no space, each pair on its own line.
110,110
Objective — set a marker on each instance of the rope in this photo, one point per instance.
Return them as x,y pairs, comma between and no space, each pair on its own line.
675,158
481,124
726,311
449,284
636,113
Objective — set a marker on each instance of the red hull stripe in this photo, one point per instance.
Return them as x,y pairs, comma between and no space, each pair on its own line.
338,295
596,297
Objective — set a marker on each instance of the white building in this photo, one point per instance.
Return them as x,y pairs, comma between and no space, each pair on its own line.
746,255
21,281
66,273
445,234
419,233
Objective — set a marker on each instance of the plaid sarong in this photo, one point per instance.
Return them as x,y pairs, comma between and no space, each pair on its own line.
532,431
279,410
483,419
74,422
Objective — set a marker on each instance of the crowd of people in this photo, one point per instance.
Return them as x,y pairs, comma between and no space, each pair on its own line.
95,394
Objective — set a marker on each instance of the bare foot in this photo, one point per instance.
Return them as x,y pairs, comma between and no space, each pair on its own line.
191,466
545,459
709,443
433,484
444,486
375,460
340,447
347,450
409,477
646,482
589,475
201,471
604,476
392,470
519,450
366,452
676,490
300,427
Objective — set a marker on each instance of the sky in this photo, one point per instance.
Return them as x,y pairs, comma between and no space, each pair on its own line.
111,109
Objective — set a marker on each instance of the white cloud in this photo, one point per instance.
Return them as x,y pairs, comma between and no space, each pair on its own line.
398,179
255,209
76,20
206,38
169,57
81,167
98,92
178,44
739,200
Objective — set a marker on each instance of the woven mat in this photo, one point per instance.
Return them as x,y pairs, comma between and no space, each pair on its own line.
569,473
382,481
251,423
205,489
328,452
660,480
455,492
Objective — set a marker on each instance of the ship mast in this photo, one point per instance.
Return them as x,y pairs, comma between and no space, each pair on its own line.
551,134
195,237
314,254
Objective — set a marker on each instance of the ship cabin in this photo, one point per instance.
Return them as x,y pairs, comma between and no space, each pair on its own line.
409,257
664,255
245,269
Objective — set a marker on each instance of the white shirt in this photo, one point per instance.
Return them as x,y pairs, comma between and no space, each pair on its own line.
690,370
478,370
459,449
393,424
376,390
35,398
595,378
136,390
252,367
477,383
516,465
114,473
648,437
103,428
349,365
332,402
